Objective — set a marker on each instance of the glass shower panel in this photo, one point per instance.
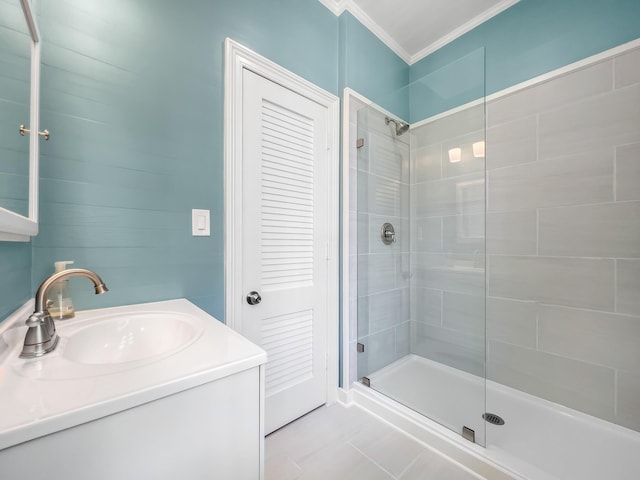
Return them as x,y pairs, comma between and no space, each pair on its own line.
421,300
383,242
447,218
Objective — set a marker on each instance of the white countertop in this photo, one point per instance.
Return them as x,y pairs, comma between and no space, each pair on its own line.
47,394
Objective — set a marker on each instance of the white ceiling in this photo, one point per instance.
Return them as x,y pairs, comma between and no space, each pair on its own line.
415,28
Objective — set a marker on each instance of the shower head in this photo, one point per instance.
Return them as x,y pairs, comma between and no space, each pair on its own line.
401,127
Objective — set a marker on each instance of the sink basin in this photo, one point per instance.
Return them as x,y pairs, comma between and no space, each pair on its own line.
128,338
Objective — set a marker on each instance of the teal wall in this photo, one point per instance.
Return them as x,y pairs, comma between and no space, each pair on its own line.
458,82
531,38
371,68
133,95
15,276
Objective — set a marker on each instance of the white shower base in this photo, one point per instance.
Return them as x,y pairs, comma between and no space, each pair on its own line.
448,396
540,439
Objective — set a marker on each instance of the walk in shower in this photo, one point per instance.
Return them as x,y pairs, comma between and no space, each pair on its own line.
495,262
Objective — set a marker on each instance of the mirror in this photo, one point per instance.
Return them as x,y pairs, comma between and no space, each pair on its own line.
19,92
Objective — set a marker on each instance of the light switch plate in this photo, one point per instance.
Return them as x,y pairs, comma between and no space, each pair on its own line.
200,223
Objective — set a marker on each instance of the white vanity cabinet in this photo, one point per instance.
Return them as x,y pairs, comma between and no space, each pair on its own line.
206,424
207,432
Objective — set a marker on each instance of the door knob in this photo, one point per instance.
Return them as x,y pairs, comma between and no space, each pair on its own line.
254,298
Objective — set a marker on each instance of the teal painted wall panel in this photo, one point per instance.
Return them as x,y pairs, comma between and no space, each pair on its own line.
133,95
456,83
371,68
531,38
15,276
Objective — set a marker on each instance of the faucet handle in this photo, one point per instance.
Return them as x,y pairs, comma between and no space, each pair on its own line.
34,320
41,335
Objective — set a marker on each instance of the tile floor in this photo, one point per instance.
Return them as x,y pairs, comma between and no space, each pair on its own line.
347,443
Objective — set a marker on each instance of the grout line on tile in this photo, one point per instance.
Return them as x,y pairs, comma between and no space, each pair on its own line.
538,326
537,232
537,137
616,372
406,469
371,460
473,174
582,309
384,177
486,223
580,205
567,257
615,174
615,285
487,274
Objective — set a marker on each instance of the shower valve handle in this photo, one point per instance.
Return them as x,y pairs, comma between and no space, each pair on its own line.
387,234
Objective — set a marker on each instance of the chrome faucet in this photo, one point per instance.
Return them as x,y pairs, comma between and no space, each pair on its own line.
41,336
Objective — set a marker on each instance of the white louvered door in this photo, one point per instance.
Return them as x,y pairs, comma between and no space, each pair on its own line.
284,231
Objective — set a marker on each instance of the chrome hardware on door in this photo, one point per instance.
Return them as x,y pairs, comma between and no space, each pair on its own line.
254,298
24,130
388,234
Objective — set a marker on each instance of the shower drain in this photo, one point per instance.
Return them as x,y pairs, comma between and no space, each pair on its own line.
493,419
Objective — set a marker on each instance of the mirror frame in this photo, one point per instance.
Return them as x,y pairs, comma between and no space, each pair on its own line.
15,227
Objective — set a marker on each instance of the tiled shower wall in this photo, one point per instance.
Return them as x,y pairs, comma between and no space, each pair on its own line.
379,176
562,240
448,242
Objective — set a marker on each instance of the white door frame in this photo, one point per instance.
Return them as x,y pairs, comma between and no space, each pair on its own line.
238,58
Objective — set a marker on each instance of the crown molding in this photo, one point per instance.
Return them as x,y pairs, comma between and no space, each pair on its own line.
377,30
461,30
339,6
335,6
